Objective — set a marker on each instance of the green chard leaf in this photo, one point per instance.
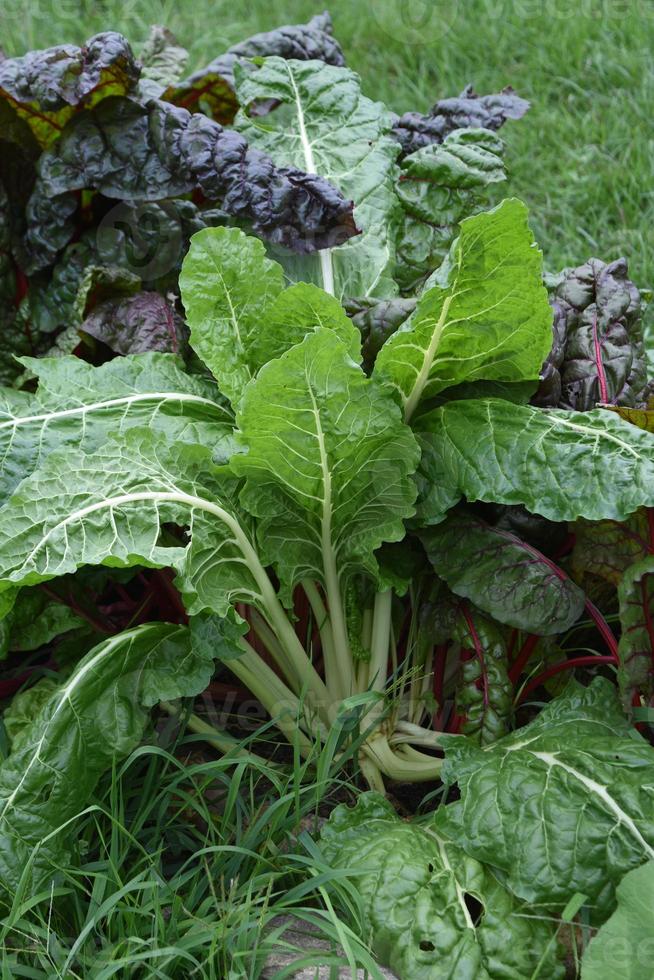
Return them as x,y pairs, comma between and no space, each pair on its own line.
80,406
328,463
563,465
439,185
109,508
560,806
324,125
99,714
239,313
636,644
506,577
35,620
622,949
419,892
486,318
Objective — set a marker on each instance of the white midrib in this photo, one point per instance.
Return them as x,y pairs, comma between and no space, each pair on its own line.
339,627
423,375
597,789
63,698
325,254
160,496
460,894
589,431
109,403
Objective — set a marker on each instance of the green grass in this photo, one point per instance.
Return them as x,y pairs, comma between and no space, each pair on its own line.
581,159
184,862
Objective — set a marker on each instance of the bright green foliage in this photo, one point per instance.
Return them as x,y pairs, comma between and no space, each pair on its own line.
328,463
419,891
506,577
563,465
80,406
327,126
100,713
487,317
226,284
560,806
622,949
114,512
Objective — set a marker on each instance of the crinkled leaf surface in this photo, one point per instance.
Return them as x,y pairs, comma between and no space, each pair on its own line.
46,87
109,507
80,406
439,186
560,806
325,125
99,714
636,644
622,949
468,110
485,694
506,577
136,152
563,465
136,324
162,60
418,889
487,319
212,88
598,355
328,462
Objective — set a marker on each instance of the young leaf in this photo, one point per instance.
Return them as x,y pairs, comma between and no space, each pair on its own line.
563,465
485,693
506,577
137,324
240,315
598,356
99,714
162,62
488,319
35,620
77,405
622,949
561,805
227,284
328,463
636,644
324,125
433,912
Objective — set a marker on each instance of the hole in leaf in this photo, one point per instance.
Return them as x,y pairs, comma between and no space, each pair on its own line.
474,907
427,946
430,867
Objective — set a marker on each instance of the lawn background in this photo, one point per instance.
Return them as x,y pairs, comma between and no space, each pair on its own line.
582,157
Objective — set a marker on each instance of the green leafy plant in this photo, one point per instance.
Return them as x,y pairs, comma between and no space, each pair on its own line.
365,464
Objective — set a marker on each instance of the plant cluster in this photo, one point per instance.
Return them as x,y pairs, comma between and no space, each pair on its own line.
356,447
